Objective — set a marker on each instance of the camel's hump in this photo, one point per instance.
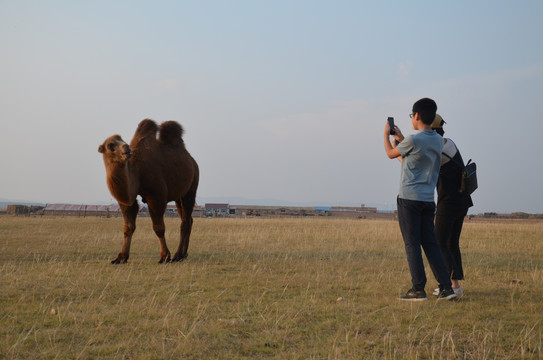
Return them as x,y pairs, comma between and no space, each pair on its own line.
170,131
146,127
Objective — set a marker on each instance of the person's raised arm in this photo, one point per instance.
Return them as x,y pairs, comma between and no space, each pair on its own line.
394,145
392,152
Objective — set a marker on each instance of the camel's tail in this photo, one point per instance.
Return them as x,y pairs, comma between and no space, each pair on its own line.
170,132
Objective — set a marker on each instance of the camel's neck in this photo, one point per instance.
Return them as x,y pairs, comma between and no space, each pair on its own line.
121,184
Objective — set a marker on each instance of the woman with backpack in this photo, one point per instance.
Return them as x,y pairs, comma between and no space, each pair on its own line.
452,207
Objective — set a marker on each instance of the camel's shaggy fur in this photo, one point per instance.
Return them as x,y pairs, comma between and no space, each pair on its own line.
160,170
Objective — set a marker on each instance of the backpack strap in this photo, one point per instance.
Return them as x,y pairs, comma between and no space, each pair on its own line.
456,162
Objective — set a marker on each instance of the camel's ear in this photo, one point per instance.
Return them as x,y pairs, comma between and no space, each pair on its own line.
101,149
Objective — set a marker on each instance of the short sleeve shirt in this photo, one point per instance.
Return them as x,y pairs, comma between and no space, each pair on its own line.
421,160
449,149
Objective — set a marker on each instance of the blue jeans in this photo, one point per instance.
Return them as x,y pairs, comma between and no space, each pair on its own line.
416,220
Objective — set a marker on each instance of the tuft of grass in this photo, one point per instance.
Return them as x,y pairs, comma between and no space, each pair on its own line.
308,288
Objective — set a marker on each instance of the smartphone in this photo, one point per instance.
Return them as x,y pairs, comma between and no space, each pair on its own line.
391,125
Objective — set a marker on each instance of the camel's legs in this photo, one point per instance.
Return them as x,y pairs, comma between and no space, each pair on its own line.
129,215
184,209
156,210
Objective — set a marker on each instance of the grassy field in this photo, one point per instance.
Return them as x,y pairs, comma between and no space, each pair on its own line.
316,288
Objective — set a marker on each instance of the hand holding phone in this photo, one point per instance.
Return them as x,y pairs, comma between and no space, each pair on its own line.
391,125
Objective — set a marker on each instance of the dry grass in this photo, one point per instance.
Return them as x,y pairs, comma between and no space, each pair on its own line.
261,288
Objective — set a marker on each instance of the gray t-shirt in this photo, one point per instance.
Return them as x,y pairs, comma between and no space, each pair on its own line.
421,160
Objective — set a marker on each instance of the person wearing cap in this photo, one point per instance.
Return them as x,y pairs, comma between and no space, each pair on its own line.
452,207
420,155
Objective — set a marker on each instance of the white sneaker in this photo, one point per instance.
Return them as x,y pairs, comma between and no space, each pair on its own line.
457,291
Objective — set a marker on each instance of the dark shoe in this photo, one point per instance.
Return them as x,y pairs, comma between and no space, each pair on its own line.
446,294
414,295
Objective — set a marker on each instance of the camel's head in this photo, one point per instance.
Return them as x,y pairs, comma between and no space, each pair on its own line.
115,149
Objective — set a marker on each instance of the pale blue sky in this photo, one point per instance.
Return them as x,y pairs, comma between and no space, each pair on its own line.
279,99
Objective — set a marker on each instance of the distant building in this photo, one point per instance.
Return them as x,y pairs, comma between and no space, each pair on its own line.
113,210
351,211
82,210
22,209
209,210
217,210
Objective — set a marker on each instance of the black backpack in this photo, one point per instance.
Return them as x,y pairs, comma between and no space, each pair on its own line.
469,177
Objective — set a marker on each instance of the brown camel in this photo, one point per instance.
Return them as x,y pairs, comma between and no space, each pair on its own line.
160,170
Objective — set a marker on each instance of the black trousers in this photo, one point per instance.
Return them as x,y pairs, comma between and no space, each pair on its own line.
416,220
448,229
